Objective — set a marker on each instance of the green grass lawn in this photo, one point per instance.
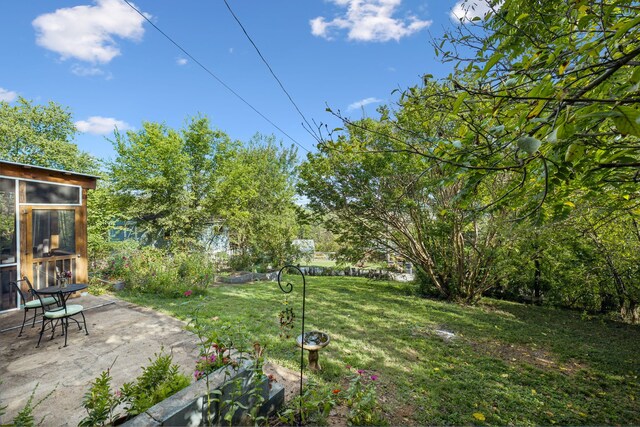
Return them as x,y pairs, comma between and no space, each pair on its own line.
509,363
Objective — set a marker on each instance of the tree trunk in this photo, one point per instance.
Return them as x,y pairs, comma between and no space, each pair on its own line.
537,294
630,311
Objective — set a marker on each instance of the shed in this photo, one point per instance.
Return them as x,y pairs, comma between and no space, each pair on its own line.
43,226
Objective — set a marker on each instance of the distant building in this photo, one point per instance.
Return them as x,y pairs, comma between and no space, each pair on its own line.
305,246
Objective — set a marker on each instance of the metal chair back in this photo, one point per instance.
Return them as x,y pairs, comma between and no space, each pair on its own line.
23,299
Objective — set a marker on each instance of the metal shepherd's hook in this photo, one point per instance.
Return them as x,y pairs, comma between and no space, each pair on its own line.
287,288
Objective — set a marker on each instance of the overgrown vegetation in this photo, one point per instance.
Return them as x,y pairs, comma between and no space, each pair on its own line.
152,270
510,363
475,178
159,380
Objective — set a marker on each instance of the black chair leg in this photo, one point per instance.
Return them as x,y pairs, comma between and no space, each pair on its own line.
53,328
41,332
65,329
35,314
85,324
24,319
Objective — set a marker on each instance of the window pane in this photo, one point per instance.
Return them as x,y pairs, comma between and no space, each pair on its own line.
7,221
39,192
8,294
54,233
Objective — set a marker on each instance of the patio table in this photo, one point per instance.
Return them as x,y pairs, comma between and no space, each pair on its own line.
65,290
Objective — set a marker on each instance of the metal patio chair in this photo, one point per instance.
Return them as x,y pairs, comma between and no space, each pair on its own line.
31,303
62,314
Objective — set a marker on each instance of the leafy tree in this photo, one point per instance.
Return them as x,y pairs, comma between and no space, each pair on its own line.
103,213
311,228
542,92
553,87
539,116
615,238
163,179
376,196
41,135
255,201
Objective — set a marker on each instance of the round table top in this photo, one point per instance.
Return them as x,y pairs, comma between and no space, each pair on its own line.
71,287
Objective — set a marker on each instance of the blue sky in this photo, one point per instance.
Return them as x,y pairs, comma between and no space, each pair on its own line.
112,68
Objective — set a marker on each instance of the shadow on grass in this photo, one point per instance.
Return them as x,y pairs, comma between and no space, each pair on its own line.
513,364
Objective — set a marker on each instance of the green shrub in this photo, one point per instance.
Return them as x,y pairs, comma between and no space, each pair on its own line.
312,408
158,381
152,270
100,402
362,400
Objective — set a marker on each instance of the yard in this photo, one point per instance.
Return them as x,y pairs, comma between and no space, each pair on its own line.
505,363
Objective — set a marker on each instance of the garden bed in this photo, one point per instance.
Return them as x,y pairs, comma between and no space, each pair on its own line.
227,387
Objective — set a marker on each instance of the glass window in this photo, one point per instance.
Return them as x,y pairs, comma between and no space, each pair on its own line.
51,194
8,248
8,294
54,233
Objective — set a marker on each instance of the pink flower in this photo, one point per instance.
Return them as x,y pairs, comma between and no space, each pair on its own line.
348,366
360,371
187,293
374,377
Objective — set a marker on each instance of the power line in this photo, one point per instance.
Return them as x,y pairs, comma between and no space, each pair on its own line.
208,71
268,66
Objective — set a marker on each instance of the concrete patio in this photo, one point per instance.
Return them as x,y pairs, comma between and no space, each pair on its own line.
120,334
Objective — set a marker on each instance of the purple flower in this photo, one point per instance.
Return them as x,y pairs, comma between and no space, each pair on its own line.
187,293
374,377
360,371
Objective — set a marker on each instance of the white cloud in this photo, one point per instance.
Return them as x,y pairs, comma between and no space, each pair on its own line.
359,104
87,32
91,71
7,95
368,20
101,125
181,61
466,10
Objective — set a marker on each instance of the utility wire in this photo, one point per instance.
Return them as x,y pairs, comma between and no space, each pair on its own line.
268,66
208,71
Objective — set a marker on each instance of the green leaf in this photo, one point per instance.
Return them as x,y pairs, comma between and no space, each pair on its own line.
491,62
529,144
458,101
537,109
574,152
626,26
566,130
635,77
627,120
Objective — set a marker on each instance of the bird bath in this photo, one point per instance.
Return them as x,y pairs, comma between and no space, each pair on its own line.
313,342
